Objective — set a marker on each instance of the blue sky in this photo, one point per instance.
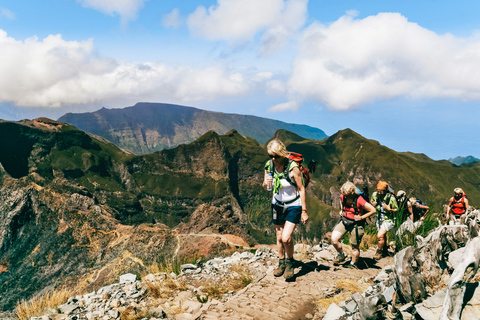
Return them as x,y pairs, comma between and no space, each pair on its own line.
405,73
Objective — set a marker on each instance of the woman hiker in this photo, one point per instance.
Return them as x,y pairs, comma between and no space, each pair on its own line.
288,202
354,212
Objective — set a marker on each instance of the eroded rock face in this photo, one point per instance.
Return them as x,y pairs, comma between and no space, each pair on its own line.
47,236
409,280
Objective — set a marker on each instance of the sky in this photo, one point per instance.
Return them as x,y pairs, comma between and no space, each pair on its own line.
404,73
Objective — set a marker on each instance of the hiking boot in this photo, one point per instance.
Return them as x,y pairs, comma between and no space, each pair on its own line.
340,258
378,255
289,271
280,269
352,265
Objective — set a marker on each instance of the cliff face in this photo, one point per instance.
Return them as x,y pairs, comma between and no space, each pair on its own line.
50,237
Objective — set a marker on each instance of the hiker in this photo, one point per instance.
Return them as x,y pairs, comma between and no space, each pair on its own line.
353,217
386,206
288,203
458,204
311,166
417,209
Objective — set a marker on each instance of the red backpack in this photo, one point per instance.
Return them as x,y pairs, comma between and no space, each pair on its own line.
298,158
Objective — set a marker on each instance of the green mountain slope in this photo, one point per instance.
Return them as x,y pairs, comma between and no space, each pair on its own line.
74,207
149,127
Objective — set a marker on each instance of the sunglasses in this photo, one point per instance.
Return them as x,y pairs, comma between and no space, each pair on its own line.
273,156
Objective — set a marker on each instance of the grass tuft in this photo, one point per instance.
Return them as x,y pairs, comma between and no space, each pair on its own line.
38,306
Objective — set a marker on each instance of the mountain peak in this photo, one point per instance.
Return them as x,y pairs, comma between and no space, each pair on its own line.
148,127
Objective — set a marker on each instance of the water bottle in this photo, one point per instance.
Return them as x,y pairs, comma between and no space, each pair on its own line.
269,184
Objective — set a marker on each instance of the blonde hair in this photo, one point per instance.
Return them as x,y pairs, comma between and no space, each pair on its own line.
276,146
348,188
458,190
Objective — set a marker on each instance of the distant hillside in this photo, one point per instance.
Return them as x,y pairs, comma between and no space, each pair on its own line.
459,160
149,127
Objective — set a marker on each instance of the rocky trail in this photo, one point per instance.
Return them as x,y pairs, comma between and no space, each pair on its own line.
274,298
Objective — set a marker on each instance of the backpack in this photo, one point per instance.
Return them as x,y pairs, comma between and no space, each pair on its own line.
461,200
298,158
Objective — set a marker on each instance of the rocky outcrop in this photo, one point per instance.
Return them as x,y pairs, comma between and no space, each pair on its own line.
432,281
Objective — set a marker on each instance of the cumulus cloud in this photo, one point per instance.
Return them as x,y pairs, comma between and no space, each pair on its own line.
7,13
173,19
355,61
238,21
126,9
54,72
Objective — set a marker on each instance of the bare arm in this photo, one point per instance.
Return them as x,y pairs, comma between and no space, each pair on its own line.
448,208
426,211
370,210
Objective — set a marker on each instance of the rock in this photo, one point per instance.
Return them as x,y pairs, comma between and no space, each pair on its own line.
188,266
454,257
456,294
388,293
67,308
410,282
157,312
431,308
323,255
191,306
334,312
128,278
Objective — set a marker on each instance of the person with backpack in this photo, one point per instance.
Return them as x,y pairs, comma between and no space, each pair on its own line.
386,206
417,209
353,214
289,206
458,204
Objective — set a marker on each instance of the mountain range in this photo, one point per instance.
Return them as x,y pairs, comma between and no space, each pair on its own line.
75,209
148,127
460,160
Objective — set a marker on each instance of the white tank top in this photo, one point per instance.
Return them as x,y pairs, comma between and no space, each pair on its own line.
287,192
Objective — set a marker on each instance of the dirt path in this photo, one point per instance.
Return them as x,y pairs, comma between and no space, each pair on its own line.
274,298
232,240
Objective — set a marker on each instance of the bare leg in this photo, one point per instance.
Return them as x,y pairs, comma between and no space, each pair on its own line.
336,235
382,234
355,253
280,247
287,238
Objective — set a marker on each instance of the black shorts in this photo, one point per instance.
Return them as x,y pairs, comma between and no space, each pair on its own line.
281,214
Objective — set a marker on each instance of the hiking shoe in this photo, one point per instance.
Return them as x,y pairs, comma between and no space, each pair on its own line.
378,255
340,258
352,265
289,271
280,269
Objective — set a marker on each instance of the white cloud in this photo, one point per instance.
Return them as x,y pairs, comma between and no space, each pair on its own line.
173,19
54,72
356,61
7,13
290,105
238,21
126,9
